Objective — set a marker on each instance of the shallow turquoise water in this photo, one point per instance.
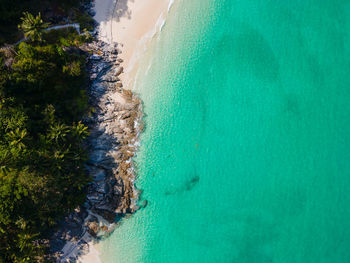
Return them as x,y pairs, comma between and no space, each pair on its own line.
246,153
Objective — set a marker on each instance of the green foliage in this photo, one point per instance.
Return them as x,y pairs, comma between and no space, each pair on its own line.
12,10
86,37
85,21
32,27
42,99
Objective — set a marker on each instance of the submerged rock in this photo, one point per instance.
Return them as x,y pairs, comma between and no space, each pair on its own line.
144,203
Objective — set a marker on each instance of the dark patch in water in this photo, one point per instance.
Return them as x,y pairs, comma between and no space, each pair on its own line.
144,203
192,183
292,105
188,186
250,53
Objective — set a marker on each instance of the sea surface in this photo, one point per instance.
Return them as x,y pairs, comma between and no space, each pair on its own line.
246,152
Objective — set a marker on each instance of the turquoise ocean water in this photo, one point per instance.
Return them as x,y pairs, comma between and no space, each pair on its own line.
246,153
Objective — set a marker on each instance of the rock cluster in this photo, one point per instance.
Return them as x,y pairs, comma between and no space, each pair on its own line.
114,128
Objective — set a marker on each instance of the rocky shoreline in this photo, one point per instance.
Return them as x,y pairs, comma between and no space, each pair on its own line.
114,125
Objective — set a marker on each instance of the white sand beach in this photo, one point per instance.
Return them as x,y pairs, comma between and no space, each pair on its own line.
132,24
91,256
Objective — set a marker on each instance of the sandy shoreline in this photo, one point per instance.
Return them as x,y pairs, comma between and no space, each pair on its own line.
92,256
132,24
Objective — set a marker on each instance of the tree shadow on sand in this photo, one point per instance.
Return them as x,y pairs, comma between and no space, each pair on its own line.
122,10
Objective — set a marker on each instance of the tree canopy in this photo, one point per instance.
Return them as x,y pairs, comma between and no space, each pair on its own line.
42,100
32,27
52,11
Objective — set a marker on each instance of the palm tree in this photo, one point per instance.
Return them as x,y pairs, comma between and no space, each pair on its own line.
32,27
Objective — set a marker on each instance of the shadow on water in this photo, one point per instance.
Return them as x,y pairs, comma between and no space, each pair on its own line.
188,186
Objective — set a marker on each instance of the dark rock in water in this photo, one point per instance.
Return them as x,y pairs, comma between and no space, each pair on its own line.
192,183
186,187
144,203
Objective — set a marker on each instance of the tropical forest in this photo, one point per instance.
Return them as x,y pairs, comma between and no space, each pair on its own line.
43,101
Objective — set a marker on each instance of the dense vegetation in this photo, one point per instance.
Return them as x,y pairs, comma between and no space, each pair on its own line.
54,11
42,99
